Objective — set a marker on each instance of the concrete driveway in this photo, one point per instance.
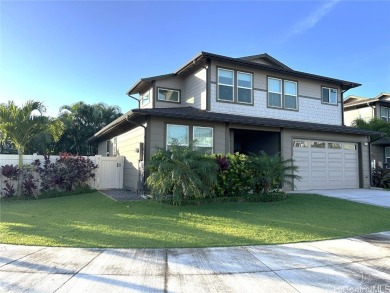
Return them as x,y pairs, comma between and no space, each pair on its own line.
375,197
358,264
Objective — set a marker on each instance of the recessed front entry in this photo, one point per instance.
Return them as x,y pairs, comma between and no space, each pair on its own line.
326,164
253,141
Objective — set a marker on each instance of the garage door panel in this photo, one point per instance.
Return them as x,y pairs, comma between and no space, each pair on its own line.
318,155
318,164
335,164
322,168
335,156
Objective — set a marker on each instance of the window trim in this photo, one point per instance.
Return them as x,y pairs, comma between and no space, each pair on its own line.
235,86
387,166
218,83
282,94
108,143
168,89
115,146
380,113
142,98
167,139
322,97
212,135
243,87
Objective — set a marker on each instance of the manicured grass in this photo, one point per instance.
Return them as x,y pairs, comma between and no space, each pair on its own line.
93,220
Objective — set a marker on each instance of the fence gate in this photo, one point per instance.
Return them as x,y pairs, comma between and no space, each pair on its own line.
110,172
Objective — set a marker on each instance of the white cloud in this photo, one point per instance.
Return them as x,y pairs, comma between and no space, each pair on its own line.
315,17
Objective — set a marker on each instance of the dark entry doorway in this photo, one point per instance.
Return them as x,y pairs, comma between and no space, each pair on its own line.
253,141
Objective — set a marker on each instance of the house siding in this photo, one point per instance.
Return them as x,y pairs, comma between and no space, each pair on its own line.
310,106
194,90
365,113
378,154
288,135
126,145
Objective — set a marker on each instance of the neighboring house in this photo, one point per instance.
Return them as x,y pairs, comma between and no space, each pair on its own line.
243,105
368,108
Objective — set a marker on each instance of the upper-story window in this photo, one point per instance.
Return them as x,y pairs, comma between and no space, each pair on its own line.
225,84
282,93
229,92
385,113
329,96
168,95
244,87
145,98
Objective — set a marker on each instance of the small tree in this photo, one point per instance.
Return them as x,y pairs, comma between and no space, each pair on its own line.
270,172
20,126
181,172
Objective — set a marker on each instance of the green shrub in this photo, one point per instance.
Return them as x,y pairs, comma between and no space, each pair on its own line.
271,172
381,177
181,173
234,176
271,196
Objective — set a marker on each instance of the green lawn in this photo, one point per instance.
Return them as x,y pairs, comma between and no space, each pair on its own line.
93,220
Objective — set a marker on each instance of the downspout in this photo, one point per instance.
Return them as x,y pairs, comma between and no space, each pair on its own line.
138,100
342,107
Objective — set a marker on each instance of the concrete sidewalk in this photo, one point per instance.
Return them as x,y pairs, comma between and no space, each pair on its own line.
356,264
377,197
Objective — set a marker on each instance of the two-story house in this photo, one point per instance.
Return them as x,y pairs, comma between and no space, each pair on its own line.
243,105
366,109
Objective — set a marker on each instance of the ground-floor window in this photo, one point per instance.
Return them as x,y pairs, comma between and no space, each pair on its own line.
182,134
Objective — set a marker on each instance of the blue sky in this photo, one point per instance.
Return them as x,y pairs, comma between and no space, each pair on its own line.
62,52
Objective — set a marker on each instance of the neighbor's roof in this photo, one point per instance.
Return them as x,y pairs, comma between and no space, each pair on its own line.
190,113
201,59
352,101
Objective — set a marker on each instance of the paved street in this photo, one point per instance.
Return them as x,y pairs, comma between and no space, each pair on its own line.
359,263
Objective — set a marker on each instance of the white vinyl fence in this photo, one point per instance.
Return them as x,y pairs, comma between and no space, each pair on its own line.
109,173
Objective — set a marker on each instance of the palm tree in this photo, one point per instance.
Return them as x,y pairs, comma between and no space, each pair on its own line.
22,124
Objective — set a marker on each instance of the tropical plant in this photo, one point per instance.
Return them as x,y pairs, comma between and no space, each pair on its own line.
233,176
271,172
182,173
22,124
380,177
11,173
374,124
81,121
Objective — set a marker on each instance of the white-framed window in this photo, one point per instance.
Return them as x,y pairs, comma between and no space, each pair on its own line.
168,95
385,113
145,98
387,157
108,143
225,85
274,92
203,137
244,87
290,95
329,95
114,146
178,134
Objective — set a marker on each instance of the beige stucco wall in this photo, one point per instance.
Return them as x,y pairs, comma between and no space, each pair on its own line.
287,136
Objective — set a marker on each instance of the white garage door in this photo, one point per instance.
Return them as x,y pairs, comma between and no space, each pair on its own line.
326,164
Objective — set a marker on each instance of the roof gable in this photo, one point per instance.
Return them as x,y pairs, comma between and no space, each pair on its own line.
265,59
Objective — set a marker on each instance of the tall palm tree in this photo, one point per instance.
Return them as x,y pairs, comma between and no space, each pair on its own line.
22,124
